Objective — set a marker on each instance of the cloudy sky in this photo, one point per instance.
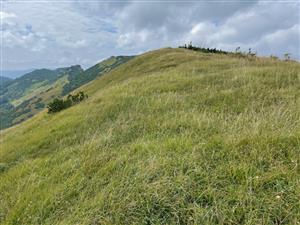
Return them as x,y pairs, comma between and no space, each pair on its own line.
51,34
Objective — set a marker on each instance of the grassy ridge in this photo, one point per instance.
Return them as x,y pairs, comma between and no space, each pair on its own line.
171,137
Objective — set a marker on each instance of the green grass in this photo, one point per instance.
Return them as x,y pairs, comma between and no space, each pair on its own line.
171,137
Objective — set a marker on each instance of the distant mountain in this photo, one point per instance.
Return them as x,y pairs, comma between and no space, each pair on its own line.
27,95
91,73
31,83
23,97
15,73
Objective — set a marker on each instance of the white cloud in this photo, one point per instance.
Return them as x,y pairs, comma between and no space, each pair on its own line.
5,15
51,31
50,34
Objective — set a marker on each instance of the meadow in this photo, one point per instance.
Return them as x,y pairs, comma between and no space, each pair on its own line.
171,137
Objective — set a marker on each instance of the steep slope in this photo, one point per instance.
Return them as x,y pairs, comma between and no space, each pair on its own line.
171,137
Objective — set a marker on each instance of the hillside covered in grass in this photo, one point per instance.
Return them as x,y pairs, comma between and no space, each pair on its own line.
171,137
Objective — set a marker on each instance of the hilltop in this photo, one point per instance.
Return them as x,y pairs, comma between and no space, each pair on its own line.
172,136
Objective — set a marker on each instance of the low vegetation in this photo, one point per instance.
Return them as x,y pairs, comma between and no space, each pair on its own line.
203,50
171,137
59,104
237,52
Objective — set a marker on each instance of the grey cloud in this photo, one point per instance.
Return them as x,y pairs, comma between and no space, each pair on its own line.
270,28
261,20
152,15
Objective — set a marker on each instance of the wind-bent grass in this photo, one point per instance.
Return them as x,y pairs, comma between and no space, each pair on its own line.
171,137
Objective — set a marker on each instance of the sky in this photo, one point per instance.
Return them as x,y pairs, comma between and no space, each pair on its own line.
51,34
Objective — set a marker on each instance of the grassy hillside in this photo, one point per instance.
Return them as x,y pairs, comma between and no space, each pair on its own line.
171,137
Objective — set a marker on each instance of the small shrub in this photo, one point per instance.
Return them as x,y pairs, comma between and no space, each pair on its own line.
59,104
78,97
56,105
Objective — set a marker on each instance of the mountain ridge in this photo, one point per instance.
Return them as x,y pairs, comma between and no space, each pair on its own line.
13,74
